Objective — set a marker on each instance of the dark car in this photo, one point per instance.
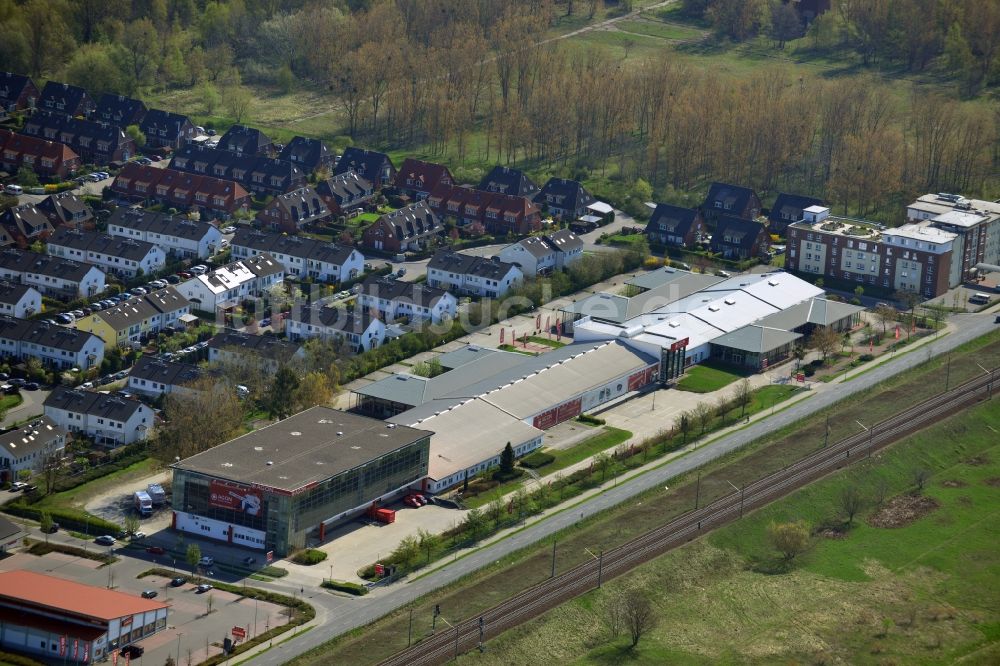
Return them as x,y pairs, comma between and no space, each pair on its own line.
149,594
997,320
177,582
17,381
132,651
173,279
156,550
31,386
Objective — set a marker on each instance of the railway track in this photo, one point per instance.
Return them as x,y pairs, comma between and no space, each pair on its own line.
551,592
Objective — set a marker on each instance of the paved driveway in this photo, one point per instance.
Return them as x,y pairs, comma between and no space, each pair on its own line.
31,405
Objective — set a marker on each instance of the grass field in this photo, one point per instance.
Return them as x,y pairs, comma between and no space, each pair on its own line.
606,439
707,378
555,344
922,593
77,497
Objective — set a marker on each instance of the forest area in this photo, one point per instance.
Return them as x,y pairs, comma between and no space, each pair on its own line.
479,82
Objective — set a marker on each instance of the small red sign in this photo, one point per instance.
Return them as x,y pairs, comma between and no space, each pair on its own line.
379,570
239,632
801,377
680,344
270,556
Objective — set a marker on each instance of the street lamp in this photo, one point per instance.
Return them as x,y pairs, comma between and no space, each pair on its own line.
871,433
741,494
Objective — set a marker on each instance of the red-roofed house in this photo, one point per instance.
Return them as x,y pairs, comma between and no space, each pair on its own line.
48,159
210,196
65,621
418,178
501,214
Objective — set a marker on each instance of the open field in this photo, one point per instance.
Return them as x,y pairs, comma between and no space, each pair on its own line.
521,570
921,593
707,378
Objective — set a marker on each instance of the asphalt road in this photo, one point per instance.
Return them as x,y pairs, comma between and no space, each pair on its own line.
349,614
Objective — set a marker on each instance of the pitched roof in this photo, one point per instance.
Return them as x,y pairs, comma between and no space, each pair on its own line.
340,319
40,148
119,109
76,131
267,346
62,596
564,240
234,274
163,224
294,246
246,140
756,339
157,120
675,219
506,180
303,203
93,403
367,163
32,437
166,300
63,98
26,220
23,261
41,333
455,262
391,289
344,186
65,207
536,246
309,153
124,315
11,87
734,198
171,373
788,208
95,241
413,221
731,230
570,194
422,176
13,292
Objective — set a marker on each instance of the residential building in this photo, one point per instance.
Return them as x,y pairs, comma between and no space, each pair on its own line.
24,224
137,319
55,346
738,239
164,129
171,307
292,211
48,159
30,447
418,179
412,228
732,200
265,352
55,619
975,222
153,377
262,175
476,276
358,330
505,180
226,286
119,110
543,254
122,256
674,226
177,236
65,209
788,208
60,278
206,195
244,140
565,199
916,257
110,420
310,155
95,142
500,214
345,193
300,256
17,92
65,99
394,299
369,164
19,300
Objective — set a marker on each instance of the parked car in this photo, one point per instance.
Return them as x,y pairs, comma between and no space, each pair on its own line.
204,587
266,321
18,486
177,582
149,594
401,272
206,561
723,274
145,161
139,291
105,540
210,132
200,269
17,381
173,279
228,230
13,190
87,385
132,651
411,500
65,319
31,386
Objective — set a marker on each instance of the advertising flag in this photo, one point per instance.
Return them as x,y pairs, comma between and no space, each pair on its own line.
76,648
871,343
502,329
897,331
62,646
538,320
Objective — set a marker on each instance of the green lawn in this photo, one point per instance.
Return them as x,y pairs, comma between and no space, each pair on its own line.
706,378
659,29
366,217
555,344
77,497
608,438
10,401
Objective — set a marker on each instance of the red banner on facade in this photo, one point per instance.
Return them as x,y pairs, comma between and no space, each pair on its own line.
639,379
235,496
62,646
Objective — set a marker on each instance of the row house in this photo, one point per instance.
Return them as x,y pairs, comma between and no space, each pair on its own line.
358,330
733,200
30,447
500,214
17,92
165,129
176,235
310,155
110,420
137,319
564,199
59,278
418,179
261,175
55,346
65,209
153,377
126,257
393,299
209,196
543,254
505,180
263,352
49,159
244,140
674,226
302,257
19,300
475,276
228,285
119,110
291,211
24,224
412,228
913,257
95,142
369,164
738,239
66,100
346,193
788,209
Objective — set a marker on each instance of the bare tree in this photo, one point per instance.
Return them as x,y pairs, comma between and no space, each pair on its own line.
921,476
638,614
683,424
825,340
722,408
851,502
884,314
239,99
704,413
743,395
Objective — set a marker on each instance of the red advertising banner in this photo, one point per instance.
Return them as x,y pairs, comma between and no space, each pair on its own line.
270,556
545,420
235,496
127,658
86,652
568,410
639,379
62,646
538,320
239,632
114,658
680,344
502,329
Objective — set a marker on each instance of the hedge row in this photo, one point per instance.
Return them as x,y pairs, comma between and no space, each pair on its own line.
592,420
537,459
40,548
344,586
309,556
70,519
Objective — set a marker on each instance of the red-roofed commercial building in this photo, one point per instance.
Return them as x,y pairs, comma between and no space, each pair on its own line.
65,621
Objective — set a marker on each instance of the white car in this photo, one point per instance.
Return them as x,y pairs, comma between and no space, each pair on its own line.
14,190
206,561
228,230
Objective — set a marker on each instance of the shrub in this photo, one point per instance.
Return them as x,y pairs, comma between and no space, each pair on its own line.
592,420
70,519
867,357
537,459
309,556
273,572
356,589
809,370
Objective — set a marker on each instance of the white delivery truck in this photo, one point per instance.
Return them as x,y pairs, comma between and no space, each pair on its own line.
157,494
143,503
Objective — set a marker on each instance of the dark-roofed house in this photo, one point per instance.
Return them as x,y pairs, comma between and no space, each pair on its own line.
95,142
135,320
19,300
25,224
476,276
345,193
259,174
111,420
263,351
154,377
787,209
543,254
65,209
164,129
505,180
291,211
736,238
119,110
121,256
53,276
414,227
310,155
674,226
732,200
500,214
210,196
29,447
244,140
359,330
369,164
301,257
65,99
176,235
17,92
48,159
392,299
55,346
418,178
564,198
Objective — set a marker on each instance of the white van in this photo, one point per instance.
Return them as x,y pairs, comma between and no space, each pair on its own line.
15,190
979,298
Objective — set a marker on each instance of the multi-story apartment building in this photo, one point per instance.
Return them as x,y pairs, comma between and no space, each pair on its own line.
975,222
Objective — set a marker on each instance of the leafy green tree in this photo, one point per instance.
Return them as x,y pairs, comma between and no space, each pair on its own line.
789,539
94,67
192,556
137,135
280,399
27,177
507,461
428,541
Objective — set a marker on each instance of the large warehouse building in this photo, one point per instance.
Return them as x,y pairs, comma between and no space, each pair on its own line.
62,621
272,487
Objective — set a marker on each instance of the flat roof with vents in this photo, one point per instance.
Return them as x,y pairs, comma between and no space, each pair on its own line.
302,450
